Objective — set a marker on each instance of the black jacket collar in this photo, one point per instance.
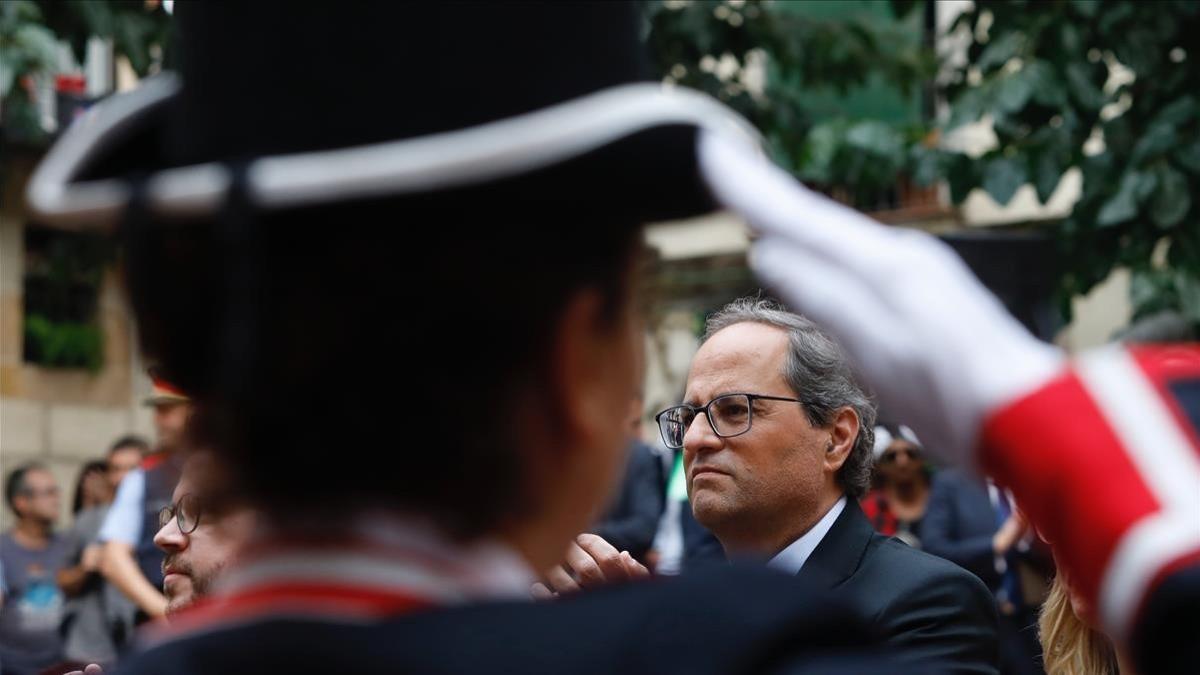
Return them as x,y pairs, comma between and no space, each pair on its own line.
840,553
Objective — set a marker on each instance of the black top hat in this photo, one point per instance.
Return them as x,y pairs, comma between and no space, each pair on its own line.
329,102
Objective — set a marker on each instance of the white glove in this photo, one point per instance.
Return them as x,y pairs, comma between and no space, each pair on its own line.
939,350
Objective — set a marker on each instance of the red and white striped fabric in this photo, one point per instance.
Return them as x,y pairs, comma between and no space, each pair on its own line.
1105,461
378,568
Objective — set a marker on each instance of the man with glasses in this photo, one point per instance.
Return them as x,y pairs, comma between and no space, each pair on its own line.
199,535
777,447
31,554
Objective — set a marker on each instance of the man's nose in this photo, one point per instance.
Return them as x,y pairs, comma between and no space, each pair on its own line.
170,538
700,435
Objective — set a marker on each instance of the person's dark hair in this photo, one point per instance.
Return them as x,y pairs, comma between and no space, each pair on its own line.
94,466
15,484
819,373
130,441
336,363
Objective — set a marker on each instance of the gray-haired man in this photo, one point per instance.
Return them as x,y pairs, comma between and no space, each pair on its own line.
776,465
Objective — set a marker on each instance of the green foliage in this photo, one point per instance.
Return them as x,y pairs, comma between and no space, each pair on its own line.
1044,73
29,35
712,46
63,344
63,275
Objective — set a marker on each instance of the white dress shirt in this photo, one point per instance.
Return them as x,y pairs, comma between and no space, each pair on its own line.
792,558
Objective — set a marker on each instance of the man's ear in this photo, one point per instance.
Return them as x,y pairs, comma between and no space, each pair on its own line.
580,395
843,432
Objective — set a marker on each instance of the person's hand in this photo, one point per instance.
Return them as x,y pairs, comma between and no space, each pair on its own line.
89,669
939,350
90,559
1009,533
590,562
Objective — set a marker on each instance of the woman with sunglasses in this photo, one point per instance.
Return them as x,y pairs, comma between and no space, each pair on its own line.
900,485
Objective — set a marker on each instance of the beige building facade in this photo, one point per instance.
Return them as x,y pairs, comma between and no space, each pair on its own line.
61,417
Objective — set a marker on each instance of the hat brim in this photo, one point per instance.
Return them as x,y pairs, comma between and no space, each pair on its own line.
82,182
163,399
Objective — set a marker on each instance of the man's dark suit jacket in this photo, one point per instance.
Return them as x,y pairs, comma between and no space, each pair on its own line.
927,608
960,523
732,620
632,519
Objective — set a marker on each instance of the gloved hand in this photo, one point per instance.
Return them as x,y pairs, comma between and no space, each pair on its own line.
939,350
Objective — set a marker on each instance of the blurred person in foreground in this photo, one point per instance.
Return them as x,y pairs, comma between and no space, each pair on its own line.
130,561
31,555
777,440
489,430
95,614
896,504
243,225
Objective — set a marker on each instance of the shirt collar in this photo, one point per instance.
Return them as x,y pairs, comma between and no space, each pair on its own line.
376,567
791,559
387,551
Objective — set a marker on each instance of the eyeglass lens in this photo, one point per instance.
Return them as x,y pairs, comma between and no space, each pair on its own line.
185,512
728,415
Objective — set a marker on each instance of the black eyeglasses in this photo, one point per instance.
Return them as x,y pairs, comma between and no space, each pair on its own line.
729,415
186,513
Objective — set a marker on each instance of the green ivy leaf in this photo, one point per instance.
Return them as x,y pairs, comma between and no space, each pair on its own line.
1079,83
1158,140
963,176
1123,205
1000,50
1189,156
1087,8
1172,201
967,108
1013,92
1001,178
1046,175
1176,113
1047,89
1187,286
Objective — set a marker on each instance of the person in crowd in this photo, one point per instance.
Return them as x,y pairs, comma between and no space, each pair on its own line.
31,554
974,523
130,562
1070,646
91,488
632,519
201,532
96,616
485,458
125,455
777,441
896,504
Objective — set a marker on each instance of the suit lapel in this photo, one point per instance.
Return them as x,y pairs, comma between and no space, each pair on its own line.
840,553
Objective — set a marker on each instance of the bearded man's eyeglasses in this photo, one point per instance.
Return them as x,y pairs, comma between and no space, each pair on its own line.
729,415
185,511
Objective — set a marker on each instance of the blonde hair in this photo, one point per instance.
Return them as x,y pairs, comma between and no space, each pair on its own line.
1069,645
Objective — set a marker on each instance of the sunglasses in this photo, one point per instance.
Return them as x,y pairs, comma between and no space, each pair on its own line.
891,456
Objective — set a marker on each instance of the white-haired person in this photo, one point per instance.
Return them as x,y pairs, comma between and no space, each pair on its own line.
899,484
